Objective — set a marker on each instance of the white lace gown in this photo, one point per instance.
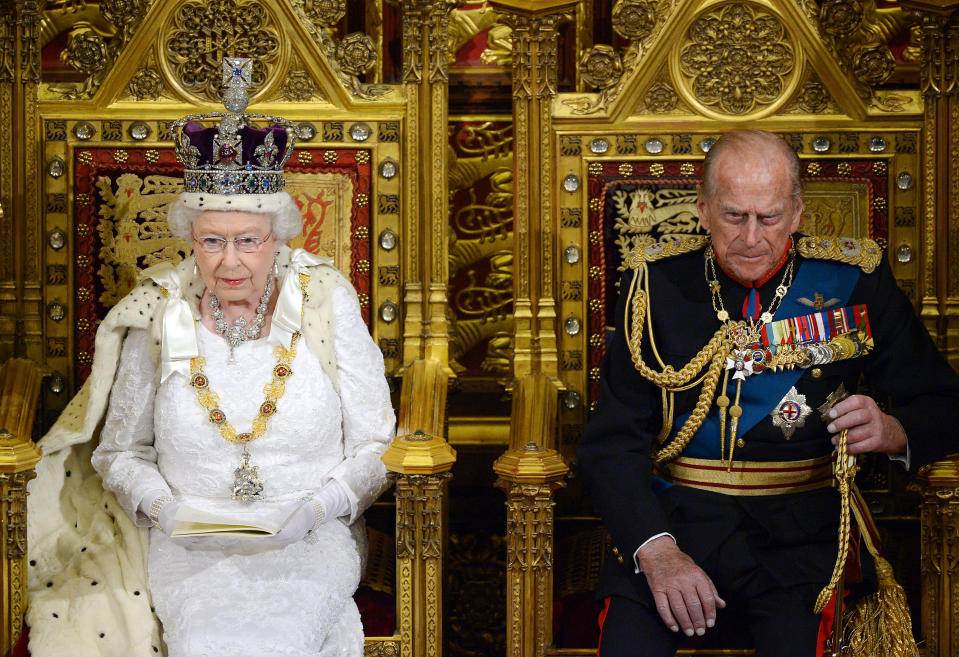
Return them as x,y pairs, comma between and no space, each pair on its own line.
291,602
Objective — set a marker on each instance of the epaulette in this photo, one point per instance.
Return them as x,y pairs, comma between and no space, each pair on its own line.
660,250
863,253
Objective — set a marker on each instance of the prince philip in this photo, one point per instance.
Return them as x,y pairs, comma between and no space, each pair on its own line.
711,456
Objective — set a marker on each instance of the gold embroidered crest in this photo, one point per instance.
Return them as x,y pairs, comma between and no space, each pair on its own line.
661,250
863,253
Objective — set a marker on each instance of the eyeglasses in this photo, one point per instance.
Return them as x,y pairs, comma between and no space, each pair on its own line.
244,243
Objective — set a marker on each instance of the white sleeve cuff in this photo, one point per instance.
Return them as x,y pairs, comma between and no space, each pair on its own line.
906,458
651,538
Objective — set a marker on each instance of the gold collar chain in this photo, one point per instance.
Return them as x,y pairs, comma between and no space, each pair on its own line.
745,336
247,485
713,282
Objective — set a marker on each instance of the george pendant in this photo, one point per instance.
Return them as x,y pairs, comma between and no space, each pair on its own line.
247,484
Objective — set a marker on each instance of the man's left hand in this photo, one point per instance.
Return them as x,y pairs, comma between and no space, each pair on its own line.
870,430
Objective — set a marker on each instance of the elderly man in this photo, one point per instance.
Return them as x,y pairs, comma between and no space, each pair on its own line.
722,397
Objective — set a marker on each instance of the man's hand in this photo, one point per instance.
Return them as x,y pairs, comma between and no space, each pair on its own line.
685,596
870,430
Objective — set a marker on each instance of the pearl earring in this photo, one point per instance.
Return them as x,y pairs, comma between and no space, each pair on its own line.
276,268
196,270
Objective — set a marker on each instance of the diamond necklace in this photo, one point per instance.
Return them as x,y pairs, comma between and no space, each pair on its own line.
239,333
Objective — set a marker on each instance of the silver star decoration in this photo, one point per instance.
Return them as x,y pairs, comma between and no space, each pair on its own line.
791,413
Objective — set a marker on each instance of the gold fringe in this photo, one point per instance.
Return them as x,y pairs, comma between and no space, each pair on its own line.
880,624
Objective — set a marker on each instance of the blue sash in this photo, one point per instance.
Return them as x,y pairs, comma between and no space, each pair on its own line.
761,392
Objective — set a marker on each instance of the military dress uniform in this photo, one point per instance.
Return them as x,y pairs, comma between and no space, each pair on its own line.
769,548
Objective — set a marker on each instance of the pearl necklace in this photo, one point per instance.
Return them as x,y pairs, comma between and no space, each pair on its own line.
239,333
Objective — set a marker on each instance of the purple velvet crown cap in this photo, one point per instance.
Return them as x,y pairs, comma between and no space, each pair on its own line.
202,138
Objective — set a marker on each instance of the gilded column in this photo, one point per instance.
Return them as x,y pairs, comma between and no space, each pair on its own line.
19,389
529,472
534,25
425,75
20,325
420,460
939,79
940,559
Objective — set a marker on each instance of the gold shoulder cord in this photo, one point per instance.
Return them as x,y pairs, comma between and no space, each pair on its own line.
711,357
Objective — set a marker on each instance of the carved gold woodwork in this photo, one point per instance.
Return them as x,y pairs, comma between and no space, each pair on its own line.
426,48
737,59
201,33
19,208
939,81
529,471
19,389
420,460
482,240
534,43
940,558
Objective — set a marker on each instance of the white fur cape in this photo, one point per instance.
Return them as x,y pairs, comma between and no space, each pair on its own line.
88,592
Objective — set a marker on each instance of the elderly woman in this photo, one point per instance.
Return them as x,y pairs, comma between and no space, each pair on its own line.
247,385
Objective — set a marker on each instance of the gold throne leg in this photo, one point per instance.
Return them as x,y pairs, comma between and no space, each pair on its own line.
940,558
420,460
530,472
19,388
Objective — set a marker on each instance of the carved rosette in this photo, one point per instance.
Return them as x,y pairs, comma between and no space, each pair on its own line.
121,12
661,98
324,12
355,54
601,67
228,28
873,65
298,87
146,84
737,60
86,51
840,18
814,98
634,19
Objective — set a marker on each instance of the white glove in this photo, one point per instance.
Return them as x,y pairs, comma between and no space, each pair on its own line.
302,518
166,508
305,517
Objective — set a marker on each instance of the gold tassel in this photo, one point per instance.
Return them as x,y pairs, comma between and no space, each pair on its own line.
880,624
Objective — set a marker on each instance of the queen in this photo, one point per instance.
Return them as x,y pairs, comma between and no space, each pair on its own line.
242,383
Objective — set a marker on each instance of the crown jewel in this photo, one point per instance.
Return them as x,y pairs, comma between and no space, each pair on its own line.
234,157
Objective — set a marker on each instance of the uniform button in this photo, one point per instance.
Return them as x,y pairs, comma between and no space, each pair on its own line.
816,373
740,443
